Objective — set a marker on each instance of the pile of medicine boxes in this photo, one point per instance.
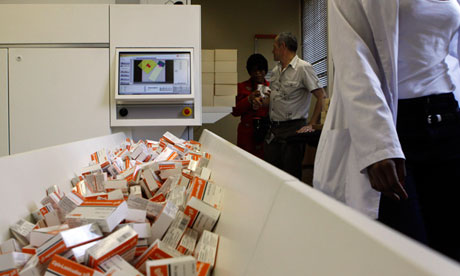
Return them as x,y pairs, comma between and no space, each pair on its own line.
219,77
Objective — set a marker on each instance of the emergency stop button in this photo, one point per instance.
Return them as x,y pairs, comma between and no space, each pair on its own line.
187,111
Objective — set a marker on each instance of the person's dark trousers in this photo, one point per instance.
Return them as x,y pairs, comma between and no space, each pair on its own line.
283,154
429,132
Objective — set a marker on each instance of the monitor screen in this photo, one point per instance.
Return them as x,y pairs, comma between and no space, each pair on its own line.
154,73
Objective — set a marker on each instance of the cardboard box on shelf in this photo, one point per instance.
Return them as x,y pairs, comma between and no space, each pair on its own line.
207,78
180,266
225,90
226,55
207,55
225,67
226,78
207,67
224,100
207,94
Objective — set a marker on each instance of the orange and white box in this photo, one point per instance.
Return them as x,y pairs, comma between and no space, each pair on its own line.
48,213
10,245
176,230
116,184
121,242
203,216
21,231
61,266
186,178
165,188
11,262
90,169
205,174
150,183
168,169
115,195
39,236
106,213
164,220
77,254
207,191
96,181
29,249
69,202
141,247
158,250
180,266
101,158
136,215
177,195
68,239
203,269
117,266
172,139
135,190
166,155
153,209
188,242
142,229
33,268
206,249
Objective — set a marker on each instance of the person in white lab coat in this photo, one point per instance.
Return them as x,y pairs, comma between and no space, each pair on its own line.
392,108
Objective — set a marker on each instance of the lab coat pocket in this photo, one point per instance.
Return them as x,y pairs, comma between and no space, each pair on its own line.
331,162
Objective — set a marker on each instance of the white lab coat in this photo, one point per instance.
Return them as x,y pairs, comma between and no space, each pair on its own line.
360,126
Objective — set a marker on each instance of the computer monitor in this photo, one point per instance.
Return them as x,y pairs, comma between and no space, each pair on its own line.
154,73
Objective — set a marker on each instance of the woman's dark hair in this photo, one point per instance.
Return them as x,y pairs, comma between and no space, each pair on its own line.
258,62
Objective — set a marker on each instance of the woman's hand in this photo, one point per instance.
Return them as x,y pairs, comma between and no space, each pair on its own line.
307,128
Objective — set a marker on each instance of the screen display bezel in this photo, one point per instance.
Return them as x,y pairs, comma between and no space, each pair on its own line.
142,97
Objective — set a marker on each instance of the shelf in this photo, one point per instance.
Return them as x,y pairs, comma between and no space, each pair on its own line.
212,114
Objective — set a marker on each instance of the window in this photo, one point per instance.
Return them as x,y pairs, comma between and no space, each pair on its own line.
314,36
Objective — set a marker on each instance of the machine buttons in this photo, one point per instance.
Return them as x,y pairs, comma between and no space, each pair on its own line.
123,112
187,111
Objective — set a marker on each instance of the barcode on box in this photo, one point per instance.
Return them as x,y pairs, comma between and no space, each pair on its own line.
124,237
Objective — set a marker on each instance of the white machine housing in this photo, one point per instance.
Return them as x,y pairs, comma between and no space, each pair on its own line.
155,28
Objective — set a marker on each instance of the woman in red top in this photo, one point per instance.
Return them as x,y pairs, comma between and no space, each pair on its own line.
249,108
